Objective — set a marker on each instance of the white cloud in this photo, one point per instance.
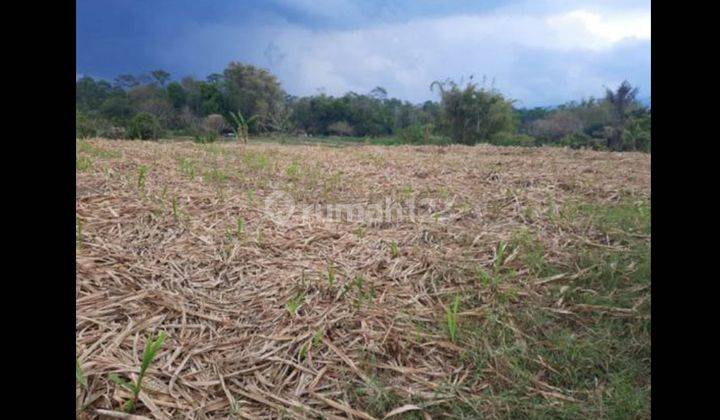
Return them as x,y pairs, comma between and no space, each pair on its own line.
407,57
564,51
601,31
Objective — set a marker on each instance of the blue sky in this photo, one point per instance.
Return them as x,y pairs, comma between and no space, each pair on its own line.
539,52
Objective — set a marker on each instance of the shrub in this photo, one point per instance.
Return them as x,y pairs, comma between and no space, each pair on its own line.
512,139
209,137
413,134
340,128
471,115
556,126
577,140
580,140
144,126
84,126
439,140
215,123
112,132
637,134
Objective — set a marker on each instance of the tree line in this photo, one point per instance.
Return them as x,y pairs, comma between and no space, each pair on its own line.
245,97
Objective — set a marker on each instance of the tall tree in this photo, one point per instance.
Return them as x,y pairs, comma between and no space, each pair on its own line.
621,100
176,94
254,92
471,115
126,81
160,76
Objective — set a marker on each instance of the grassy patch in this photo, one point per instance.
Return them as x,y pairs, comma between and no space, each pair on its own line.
188,167
216,175
95,151
578,347
83,163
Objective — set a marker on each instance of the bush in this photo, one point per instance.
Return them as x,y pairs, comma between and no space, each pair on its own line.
112,132
512,139
209,137
580,140
340,128
144,126
85,127
215,123
439,140
637,134
472,115
413,134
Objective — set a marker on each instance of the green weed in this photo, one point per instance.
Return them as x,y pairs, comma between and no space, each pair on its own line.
240,228
142,175
83,163
451,318
99,152
79,233
293,171
394,249
294,303
152,347
302,353
79,375
187,168
216,175
331,275
175,210
317,337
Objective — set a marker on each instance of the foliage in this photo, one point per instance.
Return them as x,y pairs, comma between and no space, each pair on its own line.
215,123
147,105
252,91
340,128
451,313
556,126
241,126
576,140
637,134
85,127
79,375
471,115
622,100
414,134
294,303
152,347
209,137
144,126
512,139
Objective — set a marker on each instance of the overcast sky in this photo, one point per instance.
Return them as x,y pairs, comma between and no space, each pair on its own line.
539,52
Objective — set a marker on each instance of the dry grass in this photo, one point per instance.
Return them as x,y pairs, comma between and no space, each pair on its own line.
160,250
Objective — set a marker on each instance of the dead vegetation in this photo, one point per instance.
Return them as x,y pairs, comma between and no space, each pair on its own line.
539,257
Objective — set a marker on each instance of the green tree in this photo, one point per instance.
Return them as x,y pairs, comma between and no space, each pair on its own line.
84,126
91,93
117,109
637,134
126,81
622,101
471,115
144,126
176,95
253,91
160,76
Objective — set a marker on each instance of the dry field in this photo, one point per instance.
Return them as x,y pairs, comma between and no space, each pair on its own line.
515,283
